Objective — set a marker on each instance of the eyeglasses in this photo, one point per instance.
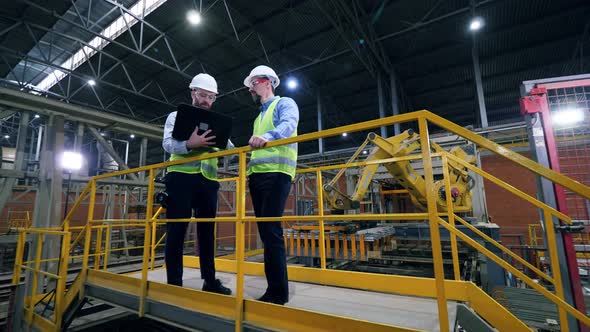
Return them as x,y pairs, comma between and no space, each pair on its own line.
205,96
259,80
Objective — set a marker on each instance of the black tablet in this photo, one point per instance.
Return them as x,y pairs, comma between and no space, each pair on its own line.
190,117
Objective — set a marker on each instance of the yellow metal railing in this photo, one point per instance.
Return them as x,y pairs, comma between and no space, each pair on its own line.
438,287
39,236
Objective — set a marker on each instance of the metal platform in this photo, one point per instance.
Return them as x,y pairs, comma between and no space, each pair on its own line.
319,300
397,310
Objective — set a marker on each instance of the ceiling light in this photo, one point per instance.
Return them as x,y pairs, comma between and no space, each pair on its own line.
132,136
91,82
6,136
568,116
37,116
344,134
103,134
193,17
292,83
365,152
476,24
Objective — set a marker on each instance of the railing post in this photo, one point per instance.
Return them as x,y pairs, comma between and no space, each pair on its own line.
153,245
249,236
90,217
451,217
146,243
61,282
557,282
98,251
36,274
240,227
18,261
439,273
154,234
107,246
321,240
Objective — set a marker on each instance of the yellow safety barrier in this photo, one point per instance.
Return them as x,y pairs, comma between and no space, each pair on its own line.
35,285
241,310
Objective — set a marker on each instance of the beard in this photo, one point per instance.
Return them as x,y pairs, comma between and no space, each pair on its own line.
256,98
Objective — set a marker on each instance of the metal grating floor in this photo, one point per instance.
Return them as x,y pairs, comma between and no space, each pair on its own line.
413,312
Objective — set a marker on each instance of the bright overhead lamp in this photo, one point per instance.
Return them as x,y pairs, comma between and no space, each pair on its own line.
568,116
344,134
476,24
365,152
37,116
71,160
91,82
193,17
132,135
6,136
292,84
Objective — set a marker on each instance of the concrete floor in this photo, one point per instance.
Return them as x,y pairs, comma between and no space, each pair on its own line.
405,311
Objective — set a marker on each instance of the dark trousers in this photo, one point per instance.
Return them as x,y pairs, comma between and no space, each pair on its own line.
188,192
269,193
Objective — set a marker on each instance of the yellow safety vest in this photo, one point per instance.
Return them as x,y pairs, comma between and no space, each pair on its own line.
207,167
282,159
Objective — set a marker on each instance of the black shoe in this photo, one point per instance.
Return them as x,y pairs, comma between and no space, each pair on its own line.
216,287
269,298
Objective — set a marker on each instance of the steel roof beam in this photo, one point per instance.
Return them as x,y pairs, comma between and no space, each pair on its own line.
42,105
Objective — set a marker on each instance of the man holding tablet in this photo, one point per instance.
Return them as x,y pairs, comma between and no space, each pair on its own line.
192,186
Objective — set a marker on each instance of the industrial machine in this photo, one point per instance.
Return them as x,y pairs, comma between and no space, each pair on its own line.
404,174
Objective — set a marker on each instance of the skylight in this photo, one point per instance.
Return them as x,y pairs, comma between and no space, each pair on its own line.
113,31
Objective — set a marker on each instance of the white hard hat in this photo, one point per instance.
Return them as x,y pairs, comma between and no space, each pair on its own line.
205,82
263,71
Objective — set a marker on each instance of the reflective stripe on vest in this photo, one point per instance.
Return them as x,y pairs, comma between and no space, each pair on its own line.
282,159
207,167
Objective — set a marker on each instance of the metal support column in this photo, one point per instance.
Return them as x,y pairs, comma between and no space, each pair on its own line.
79,137
38,143
142,160
19,158
320,123
143,154
394,100
109,149
30,154
483,115
381,97
48,198
48,201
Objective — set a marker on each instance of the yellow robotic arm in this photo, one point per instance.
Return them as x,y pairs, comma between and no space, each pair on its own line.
400,146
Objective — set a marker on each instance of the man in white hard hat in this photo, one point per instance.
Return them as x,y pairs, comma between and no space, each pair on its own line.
192,186
270,174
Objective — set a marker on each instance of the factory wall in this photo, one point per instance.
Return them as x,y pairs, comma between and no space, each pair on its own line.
511,213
